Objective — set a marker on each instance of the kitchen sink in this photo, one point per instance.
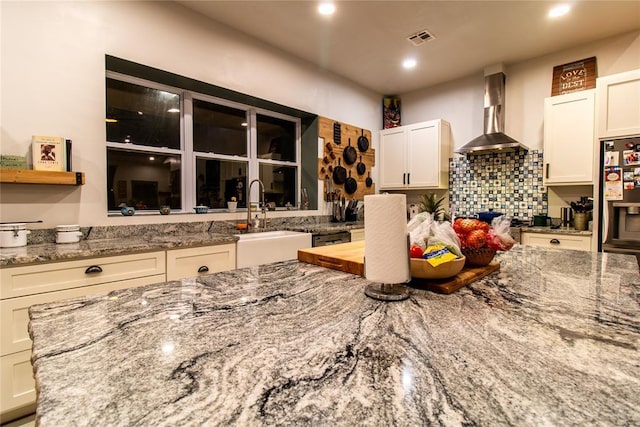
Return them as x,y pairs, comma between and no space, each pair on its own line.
270,246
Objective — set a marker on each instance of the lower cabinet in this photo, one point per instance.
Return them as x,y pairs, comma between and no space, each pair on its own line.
24,286
357,234
558,241
192,262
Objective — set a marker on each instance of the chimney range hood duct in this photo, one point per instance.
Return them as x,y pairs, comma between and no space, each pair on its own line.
493,140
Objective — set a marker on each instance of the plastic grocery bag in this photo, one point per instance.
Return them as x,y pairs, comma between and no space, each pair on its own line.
419,228
442,233
498,237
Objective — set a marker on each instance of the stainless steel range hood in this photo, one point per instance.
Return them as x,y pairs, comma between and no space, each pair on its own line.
494,139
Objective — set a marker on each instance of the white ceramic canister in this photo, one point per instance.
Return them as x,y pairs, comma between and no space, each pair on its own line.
13,235
68,233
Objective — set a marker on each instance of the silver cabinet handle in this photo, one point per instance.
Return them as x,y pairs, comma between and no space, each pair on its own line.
554,241
93,269
203,269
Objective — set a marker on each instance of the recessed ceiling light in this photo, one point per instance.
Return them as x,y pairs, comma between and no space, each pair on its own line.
409,63
326,8
560,10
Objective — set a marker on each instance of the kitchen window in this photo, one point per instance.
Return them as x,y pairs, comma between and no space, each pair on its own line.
168,146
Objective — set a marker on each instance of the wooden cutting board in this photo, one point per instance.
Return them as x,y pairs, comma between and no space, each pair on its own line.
349,257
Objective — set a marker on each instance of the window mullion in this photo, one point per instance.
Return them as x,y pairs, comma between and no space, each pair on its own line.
189,160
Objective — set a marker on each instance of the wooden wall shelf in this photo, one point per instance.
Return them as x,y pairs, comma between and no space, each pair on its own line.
27,176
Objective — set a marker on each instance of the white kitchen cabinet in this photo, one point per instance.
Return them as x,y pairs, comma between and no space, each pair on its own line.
357,234
569,138
415,156
23,286
618,104
192,262
557,241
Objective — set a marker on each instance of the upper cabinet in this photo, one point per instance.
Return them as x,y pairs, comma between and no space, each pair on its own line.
415,156
619,104
569,138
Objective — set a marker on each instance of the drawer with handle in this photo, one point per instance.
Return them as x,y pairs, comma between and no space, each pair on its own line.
48,277
558,241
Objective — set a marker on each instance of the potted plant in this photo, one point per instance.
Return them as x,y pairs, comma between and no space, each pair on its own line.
232,204
433,205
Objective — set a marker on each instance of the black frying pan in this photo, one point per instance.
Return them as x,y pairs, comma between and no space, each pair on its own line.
351,185
368,182
363,142
339,174
349,154
361,167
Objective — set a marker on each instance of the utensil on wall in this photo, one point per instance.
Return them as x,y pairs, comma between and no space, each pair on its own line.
363,142
337,131
351,185
368,182
349,154
361,167
339,174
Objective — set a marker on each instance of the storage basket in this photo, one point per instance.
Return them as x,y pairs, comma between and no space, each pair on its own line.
478,257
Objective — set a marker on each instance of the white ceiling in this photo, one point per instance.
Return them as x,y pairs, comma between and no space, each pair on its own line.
365,41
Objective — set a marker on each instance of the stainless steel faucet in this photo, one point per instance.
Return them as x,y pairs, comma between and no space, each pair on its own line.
264,210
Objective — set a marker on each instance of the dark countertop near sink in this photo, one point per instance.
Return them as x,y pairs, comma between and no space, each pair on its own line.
135,239
550,339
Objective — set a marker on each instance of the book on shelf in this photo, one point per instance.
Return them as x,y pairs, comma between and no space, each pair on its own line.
52,153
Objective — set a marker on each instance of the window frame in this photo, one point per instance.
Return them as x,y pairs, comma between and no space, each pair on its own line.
189,156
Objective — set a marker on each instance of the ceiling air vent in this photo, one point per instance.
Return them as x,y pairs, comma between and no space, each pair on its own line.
420,37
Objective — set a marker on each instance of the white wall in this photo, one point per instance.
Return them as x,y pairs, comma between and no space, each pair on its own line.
53,83
527,84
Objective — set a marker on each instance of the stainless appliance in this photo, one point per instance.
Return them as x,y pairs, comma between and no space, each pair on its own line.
330,238
620,196
493,139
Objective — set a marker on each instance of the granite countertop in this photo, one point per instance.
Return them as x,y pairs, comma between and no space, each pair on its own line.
328,227
47,252
550,339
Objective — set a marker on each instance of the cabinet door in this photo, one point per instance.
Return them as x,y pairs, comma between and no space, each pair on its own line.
619,104
17,388
392,158
191,262
569,138
423,158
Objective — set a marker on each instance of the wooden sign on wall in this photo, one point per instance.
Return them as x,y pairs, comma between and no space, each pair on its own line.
573,77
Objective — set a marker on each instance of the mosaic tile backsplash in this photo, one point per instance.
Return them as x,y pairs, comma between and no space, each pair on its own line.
509,182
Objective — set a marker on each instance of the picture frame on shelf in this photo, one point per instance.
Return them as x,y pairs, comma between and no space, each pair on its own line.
51,153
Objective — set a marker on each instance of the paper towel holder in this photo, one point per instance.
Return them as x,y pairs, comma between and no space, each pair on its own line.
387,291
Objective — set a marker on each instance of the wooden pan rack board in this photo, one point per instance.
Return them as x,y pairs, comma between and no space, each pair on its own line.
336,136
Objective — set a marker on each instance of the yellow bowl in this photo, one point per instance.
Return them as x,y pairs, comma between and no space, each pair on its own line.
420,268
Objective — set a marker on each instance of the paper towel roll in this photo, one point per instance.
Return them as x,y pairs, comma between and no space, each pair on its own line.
386,252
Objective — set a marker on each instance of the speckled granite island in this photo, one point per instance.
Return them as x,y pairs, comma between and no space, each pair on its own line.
550,339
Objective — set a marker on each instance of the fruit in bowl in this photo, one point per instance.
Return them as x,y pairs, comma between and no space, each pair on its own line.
422,268
479,241
434,262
